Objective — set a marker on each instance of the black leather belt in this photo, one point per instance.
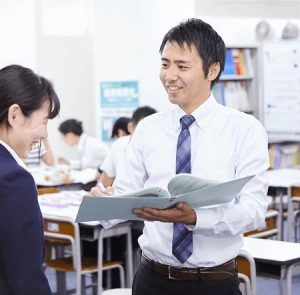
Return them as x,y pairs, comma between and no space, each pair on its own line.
220,272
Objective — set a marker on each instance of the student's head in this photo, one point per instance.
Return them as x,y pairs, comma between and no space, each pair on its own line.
71,130
192,57
138,115
27,102
120,127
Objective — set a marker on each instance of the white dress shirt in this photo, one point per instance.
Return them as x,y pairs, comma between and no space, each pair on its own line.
92,153
225,144
116,156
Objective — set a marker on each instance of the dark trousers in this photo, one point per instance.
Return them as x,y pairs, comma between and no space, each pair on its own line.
148,282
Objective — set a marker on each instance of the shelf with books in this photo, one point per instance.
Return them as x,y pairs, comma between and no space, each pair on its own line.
238,83
284,155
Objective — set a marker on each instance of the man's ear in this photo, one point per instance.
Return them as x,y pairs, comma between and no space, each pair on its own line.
13,115
214,71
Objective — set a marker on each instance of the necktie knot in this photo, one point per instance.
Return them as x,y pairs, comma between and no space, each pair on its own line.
186,121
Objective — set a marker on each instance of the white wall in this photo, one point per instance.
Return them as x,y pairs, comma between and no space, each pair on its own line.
249,8
127,38
65,56
17,34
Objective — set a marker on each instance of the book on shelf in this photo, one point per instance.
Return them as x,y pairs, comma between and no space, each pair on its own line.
237,63
283,155
232,94
195,191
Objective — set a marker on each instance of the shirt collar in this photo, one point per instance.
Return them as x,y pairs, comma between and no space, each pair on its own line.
203,114
81,141
14,155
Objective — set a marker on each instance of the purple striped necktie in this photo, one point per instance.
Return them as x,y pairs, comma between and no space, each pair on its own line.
182,246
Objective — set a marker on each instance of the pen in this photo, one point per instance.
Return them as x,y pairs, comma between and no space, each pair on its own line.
102,187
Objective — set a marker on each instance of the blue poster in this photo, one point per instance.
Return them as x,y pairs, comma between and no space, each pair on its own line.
119,94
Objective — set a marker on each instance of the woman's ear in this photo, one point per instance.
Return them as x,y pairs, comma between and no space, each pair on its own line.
214,71
13,115
130,127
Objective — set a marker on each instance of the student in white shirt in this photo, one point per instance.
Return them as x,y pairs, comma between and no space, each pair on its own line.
40,152
114,159
225,144
92,151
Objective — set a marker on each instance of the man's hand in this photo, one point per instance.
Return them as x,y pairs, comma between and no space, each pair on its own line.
182,213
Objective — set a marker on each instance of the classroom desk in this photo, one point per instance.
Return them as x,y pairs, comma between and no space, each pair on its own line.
282,180
92,231
46,176
275,259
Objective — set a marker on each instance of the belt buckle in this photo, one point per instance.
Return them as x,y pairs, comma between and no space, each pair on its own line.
170,275
170,269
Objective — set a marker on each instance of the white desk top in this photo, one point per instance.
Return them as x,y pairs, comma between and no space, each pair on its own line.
63,204
272,251
50,176
284,177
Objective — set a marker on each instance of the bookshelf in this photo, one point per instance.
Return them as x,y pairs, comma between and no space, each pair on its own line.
238,86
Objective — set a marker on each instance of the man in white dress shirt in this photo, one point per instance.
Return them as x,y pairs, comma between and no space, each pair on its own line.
225,144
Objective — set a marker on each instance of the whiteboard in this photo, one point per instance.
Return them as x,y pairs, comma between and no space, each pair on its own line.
281,90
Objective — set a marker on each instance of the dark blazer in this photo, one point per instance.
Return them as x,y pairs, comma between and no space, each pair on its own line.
21,231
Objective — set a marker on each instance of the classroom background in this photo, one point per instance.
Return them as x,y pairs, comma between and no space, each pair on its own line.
103,59
80,44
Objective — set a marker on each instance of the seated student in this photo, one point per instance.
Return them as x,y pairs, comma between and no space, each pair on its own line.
110,165
92,151
27,102
41,151
120,128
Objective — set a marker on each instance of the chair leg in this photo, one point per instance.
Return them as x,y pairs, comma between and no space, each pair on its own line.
94,282
83,287
79,281
122,276
61,283
280,287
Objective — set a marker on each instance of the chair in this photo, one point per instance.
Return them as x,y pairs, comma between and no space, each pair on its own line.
247,272
122,291
47,190
64,229
270,230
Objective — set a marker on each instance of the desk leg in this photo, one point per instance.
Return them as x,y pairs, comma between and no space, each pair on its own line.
290,216
289,275
280,214
129,267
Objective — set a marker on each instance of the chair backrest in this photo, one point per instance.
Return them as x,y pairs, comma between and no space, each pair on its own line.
47,190
270,230
62,229
247,271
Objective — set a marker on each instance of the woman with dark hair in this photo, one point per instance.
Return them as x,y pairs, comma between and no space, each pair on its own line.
27,102
92,151
120,128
